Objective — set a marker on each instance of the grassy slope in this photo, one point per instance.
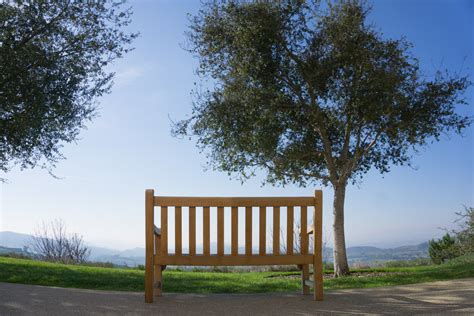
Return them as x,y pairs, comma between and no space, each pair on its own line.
41,273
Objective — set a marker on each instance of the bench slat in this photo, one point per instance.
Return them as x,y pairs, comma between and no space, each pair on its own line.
206,231
240,260
263,231
303,235
178,219
248,230
164,230
235,231
192,231
276,230
220,231
233,201
289,230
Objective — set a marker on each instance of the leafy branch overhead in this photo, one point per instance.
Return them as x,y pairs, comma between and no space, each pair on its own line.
312,94
53,58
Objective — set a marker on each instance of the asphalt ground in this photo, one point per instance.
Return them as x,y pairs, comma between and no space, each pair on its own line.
434,298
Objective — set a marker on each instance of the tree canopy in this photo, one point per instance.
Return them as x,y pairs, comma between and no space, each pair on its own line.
53,58
311,94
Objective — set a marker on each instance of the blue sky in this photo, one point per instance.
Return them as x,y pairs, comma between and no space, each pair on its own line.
129,147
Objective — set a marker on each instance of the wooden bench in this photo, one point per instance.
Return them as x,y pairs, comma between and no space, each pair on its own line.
158,257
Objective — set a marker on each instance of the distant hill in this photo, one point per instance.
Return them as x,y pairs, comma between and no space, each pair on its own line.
18,251
19,243
14,240
135,256
371,254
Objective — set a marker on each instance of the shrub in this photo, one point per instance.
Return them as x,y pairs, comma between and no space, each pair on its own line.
465,235
51,242
456,242
443,249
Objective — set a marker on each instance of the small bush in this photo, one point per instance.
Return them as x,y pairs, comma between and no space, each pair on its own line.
456,242
464,259
51,242
443,249
465,234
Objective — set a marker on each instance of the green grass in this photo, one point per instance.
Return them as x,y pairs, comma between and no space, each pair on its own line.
41,273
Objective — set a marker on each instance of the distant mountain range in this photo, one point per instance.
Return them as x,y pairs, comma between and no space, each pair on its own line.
372,254
19,243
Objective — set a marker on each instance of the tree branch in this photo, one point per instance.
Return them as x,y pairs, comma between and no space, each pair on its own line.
321,126
358,154
347,137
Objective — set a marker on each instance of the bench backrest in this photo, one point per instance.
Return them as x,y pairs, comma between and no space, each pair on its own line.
259,204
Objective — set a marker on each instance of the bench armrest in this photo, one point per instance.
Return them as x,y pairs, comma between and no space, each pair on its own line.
157,230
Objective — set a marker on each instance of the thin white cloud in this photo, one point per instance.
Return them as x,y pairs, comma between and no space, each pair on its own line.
128,75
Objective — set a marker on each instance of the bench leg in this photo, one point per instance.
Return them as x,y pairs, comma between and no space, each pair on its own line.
158,282
158,270
318,246
318,281
304,277
149,285
149,255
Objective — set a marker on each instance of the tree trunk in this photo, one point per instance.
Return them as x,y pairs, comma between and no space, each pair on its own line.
341,266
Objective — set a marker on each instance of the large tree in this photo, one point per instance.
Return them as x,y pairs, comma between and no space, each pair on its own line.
53,58
311,94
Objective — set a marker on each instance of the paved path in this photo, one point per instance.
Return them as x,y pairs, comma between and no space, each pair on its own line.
443,298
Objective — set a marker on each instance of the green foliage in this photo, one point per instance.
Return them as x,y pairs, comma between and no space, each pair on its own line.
53,58
465,233
51,274
456,243
311,94
464,259
443,249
